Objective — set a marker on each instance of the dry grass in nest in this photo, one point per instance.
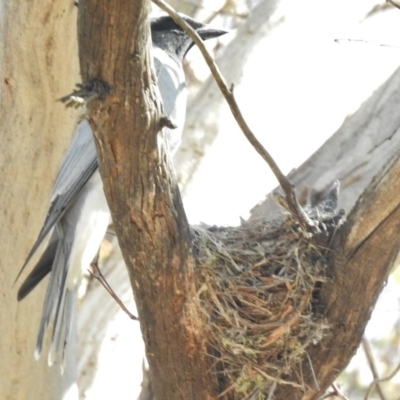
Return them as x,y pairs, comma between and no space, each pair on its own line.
256,292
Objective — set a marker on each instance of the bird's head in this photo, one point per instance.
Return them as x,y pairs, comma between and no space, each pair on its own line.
169,36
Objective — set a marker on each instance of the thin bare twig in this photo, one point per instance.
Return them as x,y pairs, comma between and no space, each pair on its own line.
336,392
366,42
100,277
372,366
327,395
304,220
313,373
376,381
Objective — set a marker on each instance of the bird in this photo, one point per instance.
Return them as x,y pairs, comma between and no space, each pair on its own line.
78,214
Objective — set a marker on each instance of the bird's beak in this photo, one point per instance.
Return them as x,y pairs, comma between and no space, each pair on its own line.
210,33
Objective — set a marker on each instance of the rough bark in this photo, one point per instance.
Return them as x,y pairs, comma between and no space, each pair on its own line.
38,64
142,193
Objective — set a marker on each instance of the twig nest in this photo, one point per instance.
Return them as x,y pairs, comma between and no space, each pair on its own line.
258,286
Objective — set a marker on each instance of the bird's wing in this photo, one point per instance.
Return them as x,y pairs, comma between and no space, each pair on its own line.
80,161
42,268
78,165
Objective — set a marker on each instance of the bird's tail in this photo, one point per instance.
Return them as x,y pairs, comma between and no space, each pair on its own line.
42,268
58,306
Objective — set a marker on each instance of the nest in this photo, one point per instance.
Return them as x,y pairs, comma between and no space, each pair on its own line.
257,292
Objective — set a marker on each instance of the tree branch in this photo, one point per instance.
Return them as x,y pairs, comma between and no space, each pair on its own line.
365,249
292,204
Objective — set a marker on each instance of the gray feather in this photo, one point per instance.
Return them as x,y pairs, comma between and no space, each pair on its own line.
79,164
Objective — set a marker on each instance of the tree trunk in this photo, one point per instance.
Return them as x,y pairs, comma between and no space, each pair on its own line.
37,66
143,195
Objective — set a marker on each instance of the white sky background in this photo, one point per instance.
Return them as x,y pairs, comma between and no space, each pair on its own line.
296,90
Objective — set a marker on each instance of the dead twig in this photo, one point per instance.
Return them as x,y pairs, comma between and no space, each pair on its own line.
365,42
335,392
293,205
100,277
376,381
372,366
